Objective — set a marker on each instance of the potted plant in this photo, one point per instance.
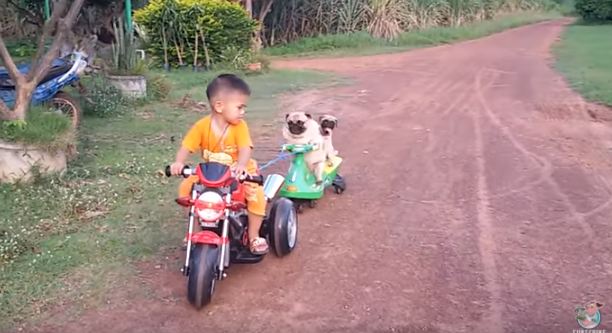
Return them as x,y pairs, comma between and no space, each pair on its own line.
42,145
127,71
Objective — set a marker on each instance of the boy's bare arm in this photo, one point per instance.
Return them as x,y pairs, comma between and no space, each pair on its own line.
179,163
244,155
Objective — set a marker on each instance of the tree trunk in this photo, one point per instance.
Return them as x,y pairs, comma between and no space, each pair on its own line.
248,5
266,6
22,101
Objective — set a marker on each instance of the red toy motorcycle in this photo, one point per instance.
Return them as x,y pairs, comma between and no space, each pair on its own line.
218,204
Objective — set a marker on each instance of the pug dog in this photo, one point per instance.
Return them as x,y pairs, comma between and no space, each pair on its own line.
327,124
301,129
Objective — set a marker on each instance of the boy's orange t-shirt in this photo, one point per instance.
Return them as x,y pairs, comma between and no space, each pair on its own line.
202,137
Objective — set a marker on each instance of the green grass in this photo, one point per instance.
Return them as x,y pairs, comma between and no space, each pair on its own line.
42,128
361,43
584,57
70,239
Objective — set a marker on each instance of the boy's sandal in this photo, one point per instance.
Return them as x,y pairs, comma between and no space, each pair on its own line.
259,246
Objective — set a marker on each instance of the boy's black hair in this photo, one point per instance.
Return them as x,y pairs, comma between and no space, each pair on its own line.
229,82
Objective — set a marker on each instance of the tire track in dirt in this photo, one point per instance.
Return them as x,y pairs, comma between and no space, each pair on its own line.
486,242
546,165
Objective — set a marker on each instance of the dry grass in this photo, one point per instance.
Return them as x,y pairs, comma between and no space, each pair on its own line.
294,19
385,18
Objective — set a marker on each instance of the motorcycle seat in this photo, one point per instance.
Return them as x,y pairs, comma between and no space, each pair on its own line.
60,68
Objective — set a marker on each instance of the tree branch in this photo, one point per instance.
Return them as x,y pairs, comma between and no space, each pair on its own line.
265,9
58,10
42,67
248,5
9,63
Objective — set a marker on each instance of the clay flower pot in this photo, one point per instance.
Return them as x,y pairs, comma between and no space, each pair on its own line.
17,161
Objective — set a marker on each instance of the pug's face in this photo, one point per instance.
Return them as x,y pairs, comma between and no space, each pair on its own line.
296,122
328,122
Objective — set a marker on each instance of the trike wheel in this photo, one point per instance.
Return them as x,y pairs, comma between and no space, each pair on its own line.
202,274
338,189
299,207
68,106
283,230
339,184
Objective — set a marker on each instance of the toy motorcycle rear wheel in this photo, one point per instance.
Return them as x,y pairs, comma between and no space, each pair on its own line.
68,106
202,274
283,230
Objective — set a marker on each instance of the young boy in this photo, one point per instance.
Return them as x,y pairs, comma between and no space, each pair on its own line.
225,133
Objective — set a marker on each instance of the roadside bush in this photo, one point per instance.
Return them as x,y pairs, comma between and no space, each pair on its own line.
103,99
21,48
235,58
174,27
158,87
594,10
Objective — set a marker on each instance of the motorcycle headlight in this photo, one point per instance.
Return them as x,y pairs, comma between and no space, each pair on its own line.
210,206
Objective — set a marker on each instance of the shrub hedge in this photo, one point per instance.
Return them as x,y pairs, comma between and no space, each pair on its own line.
173,26
594,10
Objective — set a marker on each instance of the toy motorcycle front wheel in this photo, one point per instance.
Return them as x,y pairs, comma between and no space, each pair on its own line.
283,231
202,274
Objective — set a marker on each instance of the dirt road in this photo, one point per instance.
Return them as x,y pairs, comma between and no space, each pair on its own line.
479,200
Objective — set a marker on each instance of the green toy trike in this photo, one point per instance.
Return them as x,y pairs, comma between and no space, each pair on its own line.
300,183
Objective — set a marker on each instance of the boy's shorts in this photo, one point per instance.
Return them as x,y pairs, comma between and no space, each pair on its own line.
256,206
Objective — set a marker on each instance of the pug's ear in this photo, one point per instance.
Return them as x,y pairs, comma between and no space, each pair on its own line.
286,116
308,115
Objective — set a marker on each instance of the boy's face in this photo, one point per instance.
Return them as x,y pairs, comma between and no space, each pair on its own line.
231,106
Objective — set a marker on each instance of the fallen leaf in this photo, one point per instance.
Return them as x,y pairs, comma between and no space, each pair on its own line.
91,214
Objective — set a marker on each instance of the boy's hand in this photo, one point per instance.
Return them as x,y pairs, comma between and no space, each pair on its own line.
176,168
239,171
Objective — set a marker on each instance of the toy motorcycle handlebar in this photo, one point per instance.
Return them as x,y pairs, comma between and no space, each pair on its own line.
189,171
78,65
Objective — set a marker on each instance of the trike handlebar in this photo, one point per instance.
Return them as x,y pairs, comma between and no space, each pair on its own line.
299,148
